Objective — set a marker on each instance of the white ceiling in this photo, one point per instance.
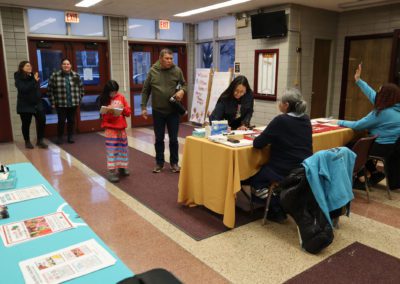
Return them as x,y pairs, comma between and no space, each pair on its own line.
165,9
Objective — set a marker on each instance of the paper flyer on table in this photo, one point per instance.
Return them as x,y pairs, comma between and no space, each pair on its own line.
67,263
26,230
22,194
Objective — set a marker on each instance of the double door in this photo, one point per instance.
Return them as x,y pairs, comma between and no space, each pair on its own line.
89,59
142,57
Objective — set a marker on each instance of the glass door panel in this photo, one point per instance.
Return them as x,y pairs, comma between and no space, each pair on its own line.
90,62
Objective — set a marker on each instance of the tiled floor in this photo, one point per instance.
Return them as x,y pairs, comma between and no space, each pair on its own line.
248,254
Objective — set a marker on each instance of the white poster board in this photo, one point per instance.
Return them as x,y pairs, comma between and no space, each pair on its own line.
200,95
220,83
266,73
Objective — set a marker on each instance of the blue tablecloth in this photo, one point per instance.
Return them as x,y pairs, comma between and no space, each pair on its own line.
10,272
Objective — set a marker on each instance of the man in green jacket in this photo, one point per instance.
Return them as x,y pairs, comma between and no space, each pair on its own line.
164,80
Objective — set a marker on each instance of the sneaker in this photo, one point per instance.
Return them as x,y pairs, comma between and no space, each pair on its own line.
112,176
175,168
123,172
42,145
28,145
260,193
70,141
376,177
357,184
158,169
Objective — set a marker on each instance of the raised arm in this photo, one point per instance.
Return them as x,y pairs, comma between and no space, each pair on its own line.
365,88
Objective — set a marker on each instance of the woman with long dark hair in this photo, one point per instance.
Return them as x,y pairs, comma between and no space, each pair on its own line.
29,103
384,121
235,104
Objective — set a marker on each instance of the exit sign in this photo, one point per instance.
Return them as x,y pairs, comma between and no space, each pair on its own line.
72,17
163,24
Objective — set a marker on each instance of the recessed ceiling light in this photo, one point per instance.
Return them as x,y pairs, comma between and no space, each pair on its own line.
211,7
87,3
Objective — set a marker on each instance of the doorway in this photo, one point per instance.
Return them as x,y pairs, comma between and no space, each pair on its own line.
141,58
374,54
90,60
319,94
5,129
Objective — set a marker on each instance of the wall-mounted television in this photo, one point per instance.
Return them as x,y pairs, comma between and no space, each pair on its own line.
268,25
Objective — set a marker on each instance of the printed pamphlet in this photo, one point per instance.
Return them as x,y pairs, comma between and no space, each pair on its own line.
67,263
29,229
22,194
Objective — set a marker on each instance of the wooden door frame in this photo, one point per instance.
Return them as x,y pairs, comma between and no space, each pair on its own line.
6,125
157,46
395,46
347,42
327,75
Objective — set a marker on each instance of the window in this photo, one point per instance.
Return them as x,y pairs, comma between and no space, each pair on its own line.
226,27
226,54
206,54
174,33
89,25
205,30
144,29
46,22
216,50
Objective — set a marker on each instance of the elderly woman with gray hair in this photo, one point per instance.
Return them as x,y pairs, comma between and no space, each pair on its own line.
290,138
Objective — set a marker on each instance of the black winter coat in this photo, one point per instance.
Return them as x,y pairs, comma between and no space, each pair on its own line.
298,201
29,97
226,108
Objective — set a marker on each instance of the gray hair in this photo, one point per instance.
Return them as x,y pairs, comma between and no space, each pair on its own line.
165,51
293,97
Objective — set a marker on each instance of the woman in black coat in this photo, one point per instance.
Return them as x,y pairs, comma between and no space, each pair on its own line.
29,103
235,104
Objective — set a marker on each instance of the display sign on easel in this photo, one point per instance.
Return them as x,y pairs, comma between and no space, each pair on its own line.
220,82
200,95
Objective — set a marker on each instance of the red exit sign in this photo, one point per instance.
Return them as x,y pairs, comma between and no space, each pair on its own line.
164,24
72,17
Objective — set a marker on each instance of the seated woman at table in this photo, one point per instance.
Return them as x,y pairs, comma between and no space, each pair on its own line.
384,121
290,138
235,104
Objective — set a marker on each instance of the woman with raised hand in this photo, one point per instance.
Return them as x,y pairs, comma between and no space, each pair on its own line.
384,121
29,103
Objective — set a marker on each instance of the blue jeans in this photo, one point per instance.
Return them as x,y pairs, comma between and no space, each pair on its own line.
172,122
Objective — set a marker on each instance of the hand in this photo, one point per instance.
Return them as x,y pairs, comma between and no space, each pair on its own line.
36,76
179,95
334,121
242,128
358,73
53,106
144,113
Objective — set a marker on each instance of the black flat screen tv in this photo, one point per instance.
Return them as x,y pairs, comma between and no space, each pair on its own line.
268,25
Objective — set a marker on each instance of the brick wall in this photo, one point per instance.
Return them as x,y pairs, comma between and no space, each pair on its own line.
15,50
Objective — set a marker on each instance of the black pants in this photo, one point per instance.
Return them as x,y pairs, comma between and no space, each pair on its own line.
26,119
392,157
161,120
62,114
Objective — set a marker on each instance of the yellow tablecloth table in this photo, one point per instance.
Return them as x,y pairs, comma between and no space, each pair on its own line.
211,172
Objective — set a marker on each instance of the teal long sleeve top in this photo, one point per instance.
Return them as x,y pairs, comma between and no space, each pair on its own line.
386,124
